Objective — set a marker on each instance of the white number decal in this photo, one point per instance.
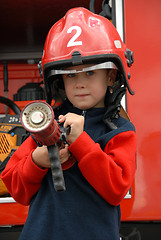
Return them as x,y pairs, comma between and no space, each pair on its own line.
72,41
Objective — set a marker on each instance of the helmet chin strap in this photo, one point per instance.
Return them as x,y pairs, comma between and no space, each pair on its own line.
113,103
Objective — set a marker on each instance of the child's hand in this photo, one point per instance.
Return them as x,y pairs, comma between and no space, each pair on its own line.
41,158
76,123
64,154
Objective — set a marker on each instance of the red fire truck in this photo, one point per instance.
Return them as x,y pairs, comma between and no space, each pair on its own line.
24,26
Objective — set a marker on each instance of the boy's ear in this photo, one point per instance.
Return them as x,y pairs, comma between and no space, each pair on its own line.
111,77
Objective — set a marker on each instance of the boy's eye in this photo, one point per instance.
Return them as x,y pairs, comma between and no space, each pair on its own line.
71,75
89,73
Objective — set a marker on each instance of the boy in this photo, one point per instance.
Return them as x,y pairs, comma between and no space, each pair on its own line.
84,63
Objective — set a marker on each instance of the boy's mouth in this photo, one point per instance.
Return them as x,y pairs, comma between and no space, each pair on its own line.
82,95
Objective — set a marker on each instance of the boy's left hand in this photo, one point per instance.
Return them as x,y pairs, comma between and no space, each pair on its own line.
76,123
64,154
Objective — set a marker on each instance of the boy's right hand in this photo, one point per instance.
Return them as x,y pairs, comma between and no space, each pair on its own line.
41,158
76,123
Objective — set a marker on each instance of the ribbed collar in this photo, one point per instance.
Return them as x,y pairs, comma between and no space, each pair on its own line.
68,107
94,124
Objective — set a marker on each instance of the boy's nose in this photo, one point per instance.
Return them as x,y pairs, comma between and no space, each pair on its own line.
80,81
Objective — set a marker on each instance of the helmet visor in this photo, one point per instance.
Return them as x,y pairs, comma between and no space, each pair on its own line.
105,65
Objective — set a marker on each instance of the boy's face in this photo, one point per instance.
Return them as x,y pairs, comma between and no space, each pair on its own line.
87,89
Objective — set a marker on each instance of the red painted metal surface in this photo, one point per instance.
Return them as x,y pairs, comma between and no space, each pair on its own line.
142,35
12,214
18,75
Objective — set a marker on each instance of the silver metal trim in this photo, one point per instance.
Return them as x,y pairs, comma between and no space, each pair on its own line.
119,11
105,65
7,200
119,18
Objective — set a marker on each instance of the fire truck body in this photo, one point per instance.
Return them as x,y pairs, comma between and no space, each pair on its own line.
138,22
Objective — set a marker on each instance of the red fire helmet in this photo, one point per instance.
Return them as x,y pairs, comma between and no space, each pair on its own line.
82,37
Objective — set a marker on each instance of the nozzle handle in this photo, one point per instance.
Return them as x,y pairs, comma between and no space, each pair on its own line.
56,169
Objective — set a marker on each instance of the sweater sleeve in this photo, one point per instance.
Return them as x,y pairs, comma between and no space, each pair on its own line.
21,175
110,172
